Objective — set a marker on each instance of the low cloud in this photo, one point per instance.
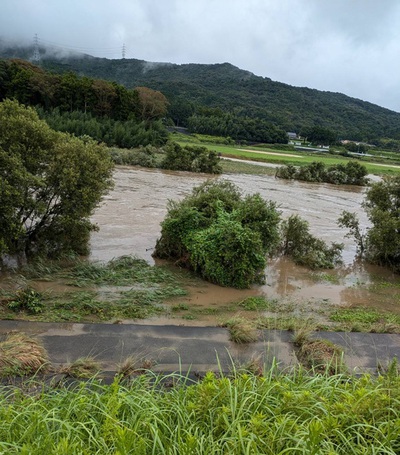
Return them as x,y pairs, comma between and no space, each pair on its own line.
349,47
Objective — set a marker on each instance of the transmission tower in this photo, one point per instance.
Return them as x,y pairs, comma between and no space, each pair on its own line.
36,53
123,51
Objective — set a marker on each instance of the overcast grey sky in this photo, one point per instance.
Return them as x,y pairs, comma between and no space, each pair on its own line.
347,46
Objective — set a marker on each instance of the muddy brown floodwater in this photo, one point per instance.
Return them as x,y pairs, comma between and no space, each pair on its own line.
129,219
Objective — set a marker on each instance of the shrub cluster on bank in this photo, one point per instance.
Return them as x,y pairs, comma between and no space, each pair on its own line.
351,173
225,237
191,158
148,156
172,156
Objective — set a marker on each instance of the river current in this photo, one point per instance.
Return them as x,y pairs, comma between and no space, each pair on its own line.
130,215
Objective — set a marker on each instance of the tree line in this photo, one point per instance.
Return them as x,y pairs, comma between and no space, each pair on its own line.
351,173
124,134
111,113
218,123
192,86
104,110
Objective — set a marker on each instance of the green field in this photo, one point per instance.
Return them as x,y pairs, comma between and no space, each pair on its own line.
298,158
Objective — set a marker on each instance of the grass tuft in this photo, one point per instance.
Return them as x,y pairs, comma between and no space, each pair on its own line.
321,356
134,365
21,355
302,334
82,368
241,330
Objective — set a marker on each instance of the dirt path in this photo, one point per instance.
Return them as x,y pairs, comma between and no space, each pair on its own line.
386,165
271,153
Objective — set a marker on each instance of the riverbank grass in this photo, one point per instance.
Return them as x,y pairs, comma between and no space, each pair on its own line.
316,354
244,413
380,164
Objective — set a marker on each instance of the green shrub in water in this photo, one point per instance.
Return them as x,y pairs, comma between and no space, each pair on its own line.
220,235
304,248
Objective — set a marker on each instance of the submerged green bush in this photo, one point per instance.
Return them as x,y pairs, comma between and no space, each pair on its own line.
351,173
304,248
227,253
191,158
220,235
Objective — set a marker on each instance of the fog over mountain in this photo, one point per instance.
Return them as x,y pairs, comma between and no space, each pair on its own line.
350,47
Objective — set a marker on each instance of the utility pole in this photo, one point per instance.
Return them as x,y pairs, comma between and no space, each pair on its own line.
36,53
123,51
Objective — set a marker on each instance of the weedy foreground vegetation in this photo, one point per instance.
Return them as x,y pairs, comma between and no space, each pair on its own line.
270,413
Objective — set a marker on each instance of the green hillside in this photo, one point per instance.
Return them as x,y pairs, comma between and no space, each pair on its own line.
191,87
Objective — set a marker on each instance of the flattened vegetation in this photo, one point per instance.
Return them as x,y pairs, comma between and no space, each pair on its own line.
124,288
21,355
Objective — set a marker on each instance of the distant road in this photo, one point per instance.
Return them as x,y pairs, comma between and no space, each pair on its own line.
270,153
257,163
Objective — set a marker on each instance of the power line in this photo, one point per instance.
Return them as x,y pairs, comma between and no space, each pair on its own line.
36,52
103,51
81,48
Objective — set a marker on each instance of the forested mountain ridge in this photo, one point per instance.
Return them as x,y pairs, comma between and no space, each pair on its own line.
104,110
194,88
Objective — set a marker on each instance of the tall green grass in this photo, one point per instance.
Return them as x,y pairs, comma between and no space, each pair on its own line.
245,414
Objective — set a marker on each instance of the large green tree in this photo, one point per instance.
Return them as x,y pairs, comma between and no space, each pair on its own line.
50,183
381,243
153,104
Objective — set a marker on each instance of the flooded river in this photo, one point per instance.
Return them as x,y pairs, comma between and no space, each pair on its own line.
129,220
